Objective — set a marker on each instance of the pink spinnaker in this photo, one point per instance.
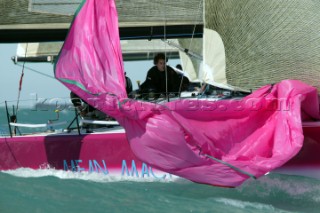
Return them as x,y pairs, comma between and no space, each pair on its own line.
220,143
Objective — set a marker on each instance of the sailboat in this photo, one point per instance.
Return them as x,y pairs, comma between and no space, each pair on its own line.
200,140
107,150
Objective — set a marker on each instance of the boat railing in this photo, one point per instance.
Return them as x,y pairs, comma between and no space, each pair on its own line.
194,90
51,116
97,122
45,125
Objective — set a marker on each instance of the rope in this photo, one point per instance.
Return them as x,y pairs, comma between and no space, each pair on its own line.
231,166
20,82
28,68
226,164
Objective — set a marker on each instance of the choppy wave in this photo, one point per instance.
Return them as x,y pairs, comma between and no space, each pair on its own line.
293,186
50,190
94,176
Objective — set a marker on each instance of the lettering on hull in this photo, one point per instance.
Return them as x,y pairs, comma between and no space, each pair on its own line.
127,170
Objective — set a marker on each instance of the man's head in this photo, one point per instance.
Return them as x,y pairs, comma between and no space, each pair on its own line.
160,61
178,66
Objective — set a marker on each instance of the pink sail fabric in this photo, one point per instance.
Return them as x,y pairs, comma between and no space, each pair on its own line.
90,60
221,143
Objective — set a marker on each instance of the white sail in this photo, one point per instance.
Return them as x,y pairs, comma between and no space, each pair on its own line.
214,64
190,64
213,70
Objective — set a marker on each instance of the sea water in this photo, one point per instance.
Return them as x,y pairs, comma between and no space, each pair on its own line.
26,190
48,190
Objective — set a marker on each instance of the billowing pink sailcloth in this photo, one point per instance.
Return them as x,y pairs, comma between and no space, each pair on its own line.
91,59
248,137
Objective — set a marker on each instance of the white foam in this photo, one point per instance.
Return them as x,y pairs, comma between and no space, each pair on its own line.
293,186
93,176
244,204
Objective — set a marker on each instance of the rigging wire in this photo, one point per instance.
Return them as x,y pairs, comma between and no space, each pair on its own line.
192,37
187,50
165,62
165,54
195,25
231,166
36,71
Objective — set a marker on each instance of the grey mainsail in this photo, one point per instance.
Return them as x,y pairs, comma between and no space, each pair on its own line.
267,41
59,13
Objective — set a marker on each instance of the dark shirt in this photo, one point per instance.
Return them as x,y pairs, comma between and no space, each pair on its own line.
128,85
157,80
76,100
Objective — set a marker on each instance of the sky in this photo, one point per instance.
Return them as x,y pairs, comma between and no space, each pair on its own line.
42,86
